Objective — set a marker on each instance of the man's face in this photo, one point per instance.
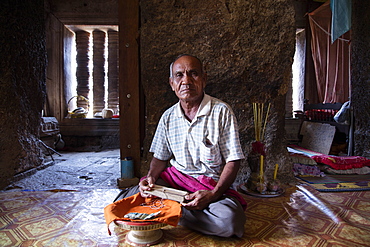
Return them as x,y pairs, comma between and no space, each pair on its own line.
188,80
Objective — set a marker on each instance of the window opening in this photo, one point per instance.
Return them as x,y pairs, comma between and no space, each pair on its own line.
298,71
95,66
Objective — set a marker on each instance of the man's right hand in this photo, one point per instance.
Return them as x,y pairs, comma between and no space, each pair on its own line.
145,185
156,167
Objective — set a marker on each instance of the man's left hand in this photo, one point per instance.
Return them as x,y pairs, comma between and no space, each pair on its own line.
199,200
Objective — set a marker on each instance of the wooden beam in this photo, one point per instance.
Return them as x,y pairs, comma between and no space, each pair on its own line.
129,90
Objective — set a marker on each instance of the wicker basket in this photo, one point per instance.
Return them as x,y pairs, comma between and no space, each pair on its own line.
79,112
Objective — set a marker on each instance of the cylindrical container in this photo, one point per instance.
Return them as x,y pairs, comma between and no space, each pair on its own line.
127,168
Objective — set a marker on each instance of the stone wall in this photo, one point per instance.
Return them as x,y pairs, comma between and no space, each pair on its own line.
22,85
360,76
247,48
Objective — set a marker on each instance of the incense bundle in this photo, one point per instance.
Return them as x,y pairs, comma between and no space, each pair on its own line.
260,120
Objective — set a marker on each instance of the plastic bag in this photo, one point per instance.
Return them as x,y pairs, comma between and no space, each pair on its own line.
343,116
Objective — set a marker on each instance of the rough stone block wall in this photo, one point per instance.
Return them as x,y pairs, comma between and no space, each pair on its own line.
247,48
360,76
22,85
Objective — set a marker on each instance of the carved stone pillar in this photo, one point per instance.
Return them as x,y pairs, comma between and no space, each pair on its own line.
82,70
98,70
113,99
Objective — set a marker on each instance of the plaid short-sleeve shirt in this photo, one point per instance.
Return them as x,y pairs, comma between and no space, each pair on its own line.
200,147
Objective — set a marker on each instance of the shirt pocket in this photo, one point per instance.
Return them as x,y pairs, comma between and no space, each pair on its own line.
210,155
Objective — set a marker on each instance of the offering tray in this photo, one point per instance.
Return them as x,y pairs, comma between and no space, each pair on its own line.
243,188
142,233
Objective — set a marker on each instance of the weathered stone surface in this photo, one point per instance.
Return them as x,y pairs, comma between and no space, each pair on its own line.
22,85
113,70
99,70
82,69
360,76
247,48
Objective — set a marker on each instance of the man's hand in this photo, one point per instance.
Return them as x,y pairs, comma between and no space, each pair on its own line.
202,198
156,167
199,200
145,185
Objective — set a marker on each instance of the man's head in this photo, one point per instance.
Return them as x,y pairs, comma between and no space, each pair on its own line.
187,78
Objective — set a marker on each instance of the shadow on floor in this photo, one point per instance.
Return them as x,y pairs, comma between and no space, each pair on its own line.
74,170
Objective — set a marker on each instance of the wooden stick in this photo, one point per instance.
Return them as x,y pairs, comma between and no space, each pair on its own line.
264,127
255,120
261,120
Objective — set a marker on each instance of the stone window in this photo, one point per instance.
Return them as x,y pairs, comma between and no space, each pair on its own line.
295,96
95,69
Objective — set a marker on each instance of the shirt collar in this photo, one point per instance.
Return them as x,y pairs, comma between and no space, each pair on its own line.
204,108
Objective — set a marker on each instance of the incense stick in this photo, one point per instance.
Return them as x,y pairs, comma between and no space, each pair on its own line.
275,172
264,126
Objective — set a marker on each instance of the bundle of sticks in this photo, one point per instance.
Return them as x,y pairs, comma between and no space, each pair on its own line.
260,120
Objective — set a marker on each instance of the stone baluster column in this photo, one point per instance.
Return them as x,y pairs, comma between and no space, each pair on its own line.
113,97
82,70
98,70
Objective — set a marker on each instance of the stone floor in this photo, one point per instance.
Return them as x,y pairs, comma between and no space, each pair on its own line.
73,170
62,205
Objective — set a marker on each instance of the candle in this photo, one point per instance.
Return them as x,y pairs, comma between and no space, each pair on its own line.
276,169
261,167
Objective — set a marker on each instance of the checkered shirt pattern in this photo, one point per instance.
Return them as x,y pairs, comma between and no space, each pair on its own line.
200,147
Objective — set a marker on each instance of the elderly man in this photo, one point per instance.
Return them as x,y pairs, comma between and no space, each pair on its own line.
199,138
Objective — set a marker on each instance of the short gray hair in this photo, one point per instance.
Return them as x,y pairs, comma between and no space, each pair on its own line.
184,55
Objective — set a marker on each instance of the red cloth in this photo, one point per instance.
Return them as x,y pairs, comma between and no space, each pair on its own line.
182,181
335,162
259,148
342,162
